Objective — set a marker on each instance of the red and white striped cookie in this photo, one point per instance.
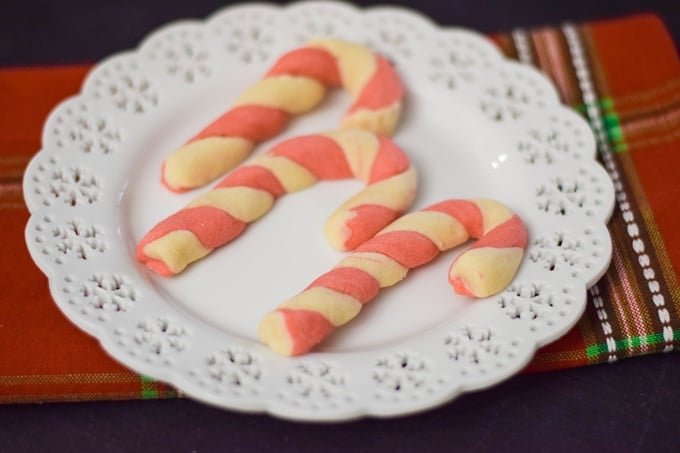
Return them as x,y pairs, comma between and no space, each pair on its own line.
221,214
412,240
294,85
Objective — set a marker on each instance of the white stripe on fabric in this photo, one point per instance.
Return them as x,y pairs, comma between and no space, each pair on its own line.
589,96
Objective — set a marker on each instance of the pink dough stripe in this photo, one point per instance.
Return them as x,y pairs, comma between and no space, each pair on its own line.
466,212
351,281
382,90
255,177
212,227
408,248
389,161
159,267
511,233
165,182
304,327
256,123
311,62
369,219
317,153
461,288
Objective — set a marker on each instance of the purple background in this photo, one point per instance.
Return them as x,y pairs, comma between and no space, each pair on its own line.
632,405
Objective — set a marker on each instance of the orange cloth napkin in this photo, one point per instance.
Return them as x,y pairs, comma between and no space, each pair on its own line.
636,80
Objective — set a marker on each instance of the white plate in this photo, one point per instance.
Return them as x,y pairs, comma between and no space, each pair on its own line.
475,125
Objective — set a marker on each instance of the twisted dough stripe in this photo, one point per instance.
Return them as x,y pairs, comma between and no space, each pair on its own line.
337,296
221,214
294,85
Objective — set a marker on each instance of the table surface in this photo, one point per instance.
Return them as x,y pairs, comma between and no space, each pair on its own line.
632,405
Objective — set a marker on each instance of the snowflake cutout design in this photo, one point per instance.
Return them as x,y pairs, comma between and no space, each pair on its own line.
315,29
233,369
527,301
512,95
507,102
247,35
543,146
391,43
75,127
101,295
403,374
565,195
556,249
547,144
457,62
93,135
71,185
160,338
181,56
187,62
472,345
249,43
453,69
318,22
74,239
445,77
132,94
126,88
316,382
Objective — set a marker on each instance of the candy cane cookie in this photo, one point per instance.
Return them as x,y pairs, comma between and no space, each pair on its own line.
221,214
296,84
412,240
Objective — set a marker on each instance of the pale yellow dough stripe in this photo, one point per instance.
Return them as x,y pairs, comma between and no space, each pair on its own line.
486,269
381,121
356,63
291,94
204,160
360,148
396,193
442,229
338,308
493,213
292,176
389,192
383,268
244,203
176,249
273,332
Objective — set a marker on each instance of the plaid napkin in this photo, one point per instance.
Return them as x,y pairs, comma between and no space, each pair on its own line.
622,75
